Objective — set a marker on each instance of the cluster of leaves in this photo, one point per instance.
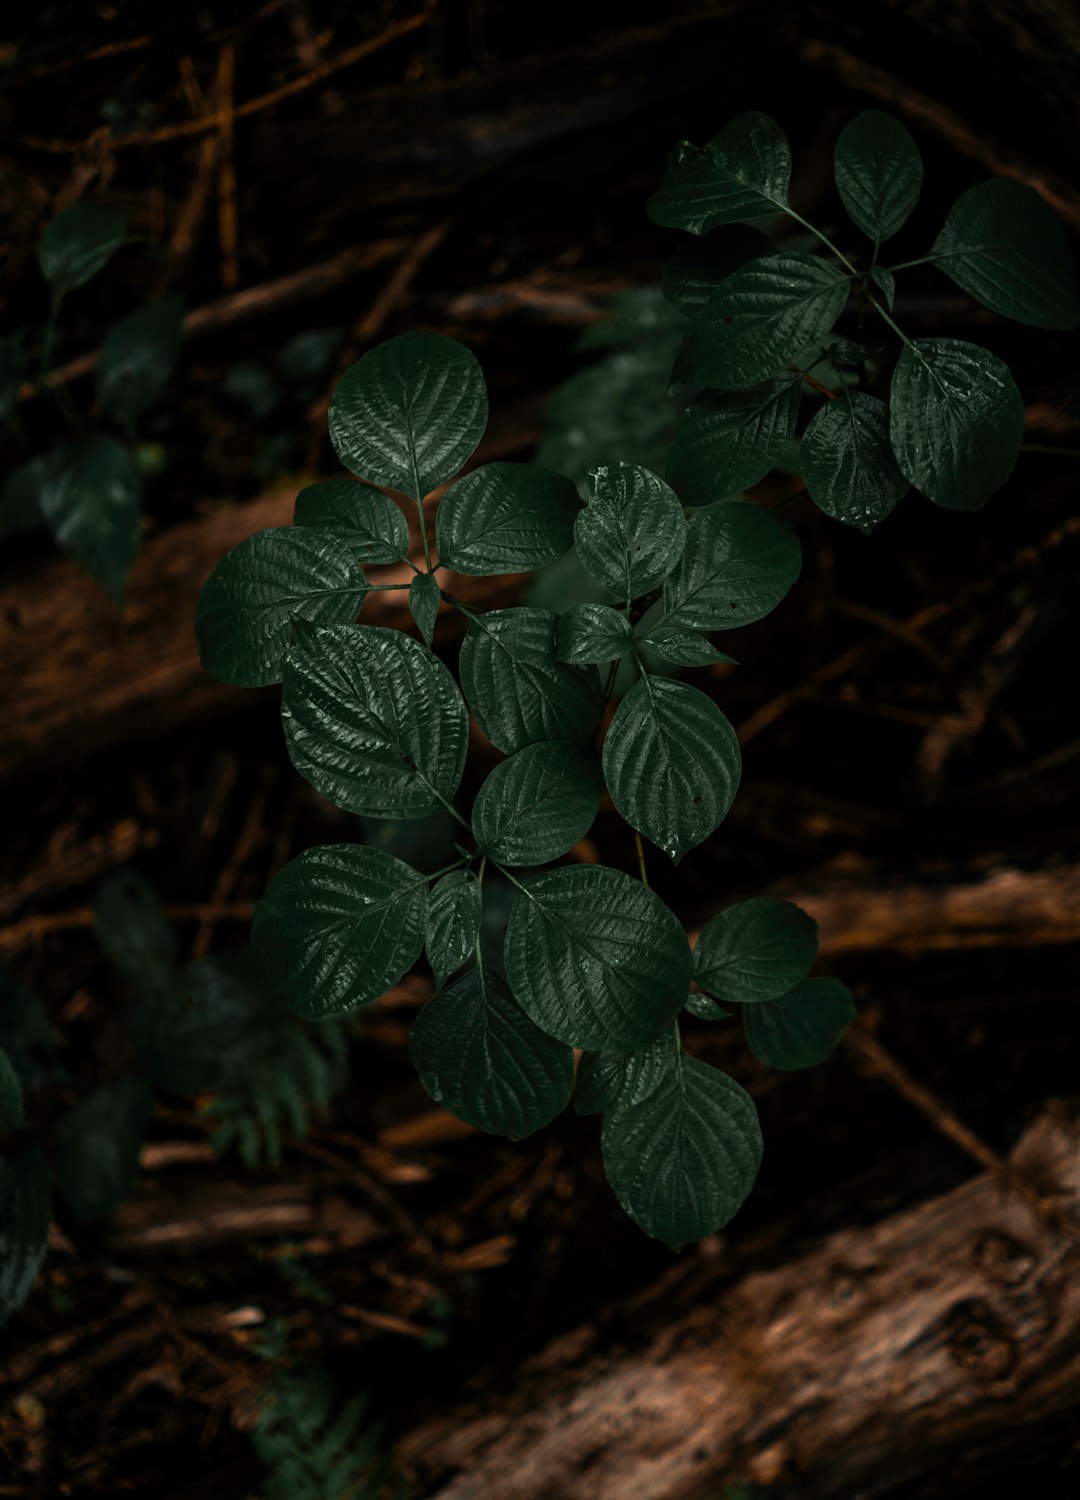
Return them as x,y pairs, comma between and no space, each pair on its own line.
592,958
208,1028
87,488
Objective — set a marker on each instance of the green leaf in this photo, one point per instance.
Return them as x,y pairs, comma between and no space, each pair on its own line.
25,1213
20,505
847,353
25,1033
878,173
1005,247
131,928
13,361
477,1053
606,1084
453,923
684,648
847,461
590,633
699,266
425,599
245,612
338,927
596,958
517,689
740,561
800,1029
137,359
761,318
409,413
728,440
78,243
90,501
538,804
632,531
704,1008
885,282
629,317
97,1147
743,172
956,421
373,720
506,518
682,1162
671,763
755,950
365,519
12,1113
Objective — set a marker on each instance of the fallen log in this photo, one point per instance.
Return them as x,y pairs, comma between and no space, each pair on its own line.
892,1359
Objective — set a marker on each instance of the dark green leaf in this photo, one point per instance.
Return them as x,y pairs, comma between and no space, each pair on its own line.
137,358
761,318
244,617
728,440
11,1095
682,1162
671,763
477,1053
800,1029
254,387
755,951
20,505
699,266
97,1147
847,353
517,689
606,1084
740,561
704,1009
90,502
373,720
956,421
885,282
506,518
338,927
307,354
366,520
78,243
25,1033
25,1212
684,648
538,804
12,368
595,958
878,173
847,461
409,413
130,926
628,317
453,923
631,533
743,172
1005,247
425,599
589,633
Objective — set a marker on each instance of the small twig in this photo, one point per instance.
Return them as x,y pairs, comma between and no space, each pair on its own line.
30,929
226,881
230,272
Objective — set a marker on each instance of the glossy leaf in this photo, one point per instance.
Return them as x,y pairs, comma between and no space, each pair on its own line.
245,612
137,359
682,1162
367,521
591,633
606,1083
743,172
78,243
728,440
684,648
409,413
425,600
761,318
800,1029
453,923
755,950
479,1055
506,518
740,560
699,266
338,927
518,690
847,461
25,1214
704,1008
885,282
11,1095
90,501
671,763
631,533
537,804
878,173
131,928
98,1143
1002,245
595,958
373,720
956,421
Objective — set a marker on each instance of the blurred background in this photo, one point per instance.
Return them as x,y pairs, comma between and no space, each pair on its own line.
347,1287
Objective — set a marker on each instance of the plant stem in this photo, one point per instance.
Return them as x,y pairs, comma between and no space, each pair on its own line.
446,870
382,588
50,335
841,257
639,846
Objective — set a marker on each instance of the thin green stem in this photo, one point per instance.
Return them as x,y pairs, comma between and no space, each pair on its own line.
50,334
906,265
841,257
383,588
639,846
423,534
450,808
874,303
447,870
1060,450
